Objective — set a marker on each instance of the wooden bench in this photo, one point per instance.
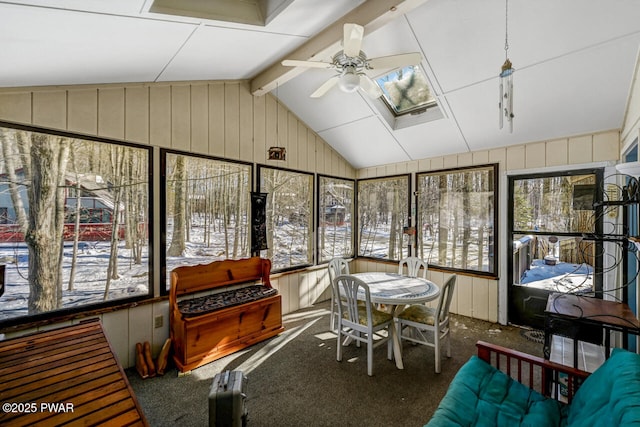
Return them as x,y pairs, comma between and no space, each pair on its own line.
207,327
65,376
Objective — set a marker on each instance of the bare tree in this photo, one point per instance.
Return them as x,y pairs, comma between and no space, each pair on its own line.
76,234
11,165
118,155
178,244
49,156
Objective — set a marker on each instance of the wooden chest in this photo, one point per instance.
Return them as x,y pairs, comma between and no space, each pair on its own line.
212,326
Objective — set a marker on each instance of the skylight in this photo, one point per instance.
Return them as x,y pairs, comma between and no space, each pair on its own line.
253,12
406,90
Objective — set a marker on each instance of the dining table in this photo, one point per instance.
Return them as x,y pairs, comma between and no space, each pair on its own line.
395,291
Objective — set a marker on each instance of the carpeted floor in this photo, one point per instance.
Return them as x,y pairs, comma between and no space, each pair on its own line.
295,380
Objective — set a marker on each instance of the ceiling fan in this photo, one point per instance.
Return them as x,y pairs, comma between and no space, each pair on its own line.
351,64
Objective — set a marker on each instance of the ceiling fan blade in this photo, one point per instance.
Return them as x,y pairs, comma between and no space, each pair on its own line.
352,42
325,87
395,61
309,64
370,87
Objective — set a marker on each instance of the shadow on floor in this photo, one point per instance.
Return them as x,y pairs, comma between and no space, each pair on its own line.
295,380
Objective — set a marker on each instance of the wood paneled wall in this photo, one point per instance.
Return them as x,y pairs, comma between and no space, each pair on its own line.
475,296
223,119
220,119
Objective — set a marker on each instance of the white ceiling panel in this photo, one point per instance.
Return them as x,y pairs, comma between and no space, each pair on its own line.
365,143
472,50
333,109
56,41
586,101
575,61
211,53
436,138
118,7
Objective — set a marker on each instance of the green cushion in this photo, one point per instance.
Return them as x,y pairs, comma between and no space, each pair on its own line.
419,314
611,395
481,395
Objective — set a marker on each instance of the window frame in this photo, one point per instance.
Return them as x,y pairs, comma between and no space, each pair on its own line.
87,309
493,239
598,226
164,285
407,217
312,211
318,254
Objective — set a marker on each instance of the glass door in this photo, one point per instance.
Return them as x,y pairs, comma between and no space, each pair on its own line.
552,222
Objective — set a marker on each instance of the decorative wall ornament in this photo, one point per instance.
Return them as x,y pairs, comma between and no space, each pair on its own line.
258,222
277,153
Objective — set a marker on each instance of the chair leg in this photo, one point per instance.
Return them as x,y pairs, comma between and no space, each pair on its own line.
392,336
449,343
436,348
339,346
370,354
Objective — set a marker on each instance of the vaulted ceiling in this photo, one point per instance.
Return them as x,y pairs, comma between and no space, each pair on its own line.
574,59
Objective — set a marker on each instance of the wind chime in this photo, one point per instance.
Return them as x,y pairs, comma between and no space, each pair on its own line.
505,103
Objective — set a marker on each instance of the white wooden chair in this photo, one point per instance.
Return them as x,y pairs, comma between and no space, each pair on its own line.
337,266
418,323
361,322
413,267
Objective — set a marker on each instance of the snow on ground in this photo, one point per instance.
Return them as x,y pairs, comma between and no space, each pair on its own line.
563,277
90,276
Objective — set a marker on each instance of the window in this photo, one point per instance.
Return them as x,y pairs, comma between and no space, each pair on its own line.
406,90
335,213
61,255
206,210
383,212
407,99
456,218
289,217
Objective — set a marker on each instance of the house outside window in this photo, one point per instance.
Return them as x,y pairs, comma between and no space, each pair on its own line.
75,228
336,203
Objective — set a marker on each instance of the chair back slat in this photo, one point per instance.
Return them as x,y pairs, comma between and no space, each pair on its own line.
346,288
413,267
337,266
446,295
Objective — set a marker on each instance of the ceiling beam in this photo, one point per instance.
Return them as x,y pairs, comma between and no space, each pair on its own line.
372,14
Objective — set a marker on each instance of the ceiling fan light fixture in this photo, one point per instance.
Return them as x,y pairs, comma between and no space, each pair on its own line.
349,80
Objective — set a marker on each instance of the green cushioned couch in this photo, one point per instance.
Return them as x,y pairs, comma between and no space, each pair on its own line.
481,395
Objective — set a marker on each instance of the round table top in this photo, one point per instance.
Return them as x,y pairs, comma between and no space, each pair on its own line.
396,289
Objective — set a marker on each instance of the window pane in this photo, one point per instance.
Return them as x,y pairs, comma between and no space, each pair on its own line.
556,263
59,253
559,204
289,217
406,90
383,212
456,214
335,233
207,210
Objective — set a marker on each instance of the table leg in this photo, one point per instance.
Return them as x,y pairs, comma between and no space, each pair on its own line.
397,348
